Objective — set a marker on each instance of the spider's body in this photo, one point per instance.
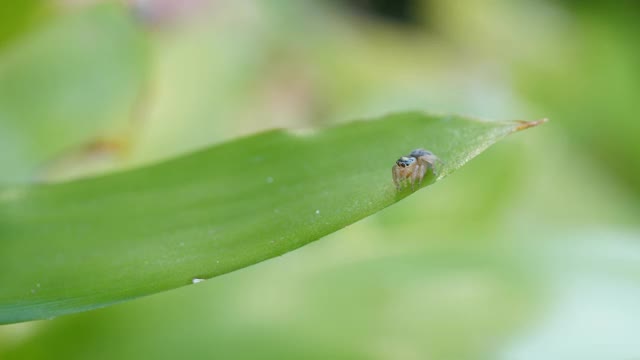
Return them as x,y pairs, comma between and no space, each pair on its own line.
412,168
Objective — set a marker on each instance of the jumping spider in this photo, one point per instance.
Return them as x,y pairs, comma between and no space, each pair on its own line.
412,168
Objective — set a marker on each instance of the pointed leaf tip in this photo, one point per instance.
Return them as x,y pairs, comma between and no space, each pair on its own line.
529,124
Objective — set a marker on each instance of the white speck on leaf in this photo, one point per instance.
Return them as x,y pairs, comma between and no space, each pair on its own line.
317,211
197,280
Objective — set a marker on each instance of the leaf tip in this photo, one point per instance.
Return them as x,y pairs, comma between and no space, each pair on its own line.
529,124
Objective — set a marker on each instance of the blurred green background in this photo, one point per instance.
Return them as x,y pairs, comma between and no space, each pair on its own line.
531,251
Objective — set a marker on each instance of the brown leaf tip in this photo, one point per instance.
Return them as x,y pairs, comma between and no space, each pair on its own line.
529,124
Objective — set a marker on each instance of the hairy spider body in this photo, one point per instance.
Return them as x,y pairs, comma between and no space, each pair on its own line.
413,167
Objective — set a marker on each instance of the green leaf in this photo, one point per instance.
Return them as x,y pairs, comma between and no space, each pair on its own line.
84,244
76,77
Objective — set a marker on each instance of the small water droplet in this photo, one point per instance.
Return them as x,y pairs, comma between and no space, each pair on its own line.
317,211
269,180
217,261
197,280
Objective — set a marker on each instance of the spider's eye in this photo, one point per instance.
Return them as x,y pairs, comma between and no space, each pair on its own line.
405,161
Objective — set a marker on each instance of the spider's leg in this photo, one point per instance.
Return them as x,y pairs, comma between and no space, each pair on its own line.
415,172
433,168
395,172
412,175
440,163
428,163
423,171
433,163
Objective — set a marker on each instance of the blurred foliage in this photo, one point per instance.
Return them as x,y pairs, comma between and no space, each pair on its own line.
595,72
18,16
529,252
400,11
77,76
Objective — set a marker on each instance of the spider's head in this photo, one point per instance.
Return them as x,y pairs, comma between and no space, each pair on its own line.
405,161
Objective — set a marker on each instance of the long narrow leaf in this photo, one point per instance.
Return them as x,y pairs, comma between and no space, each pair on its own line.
88,243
